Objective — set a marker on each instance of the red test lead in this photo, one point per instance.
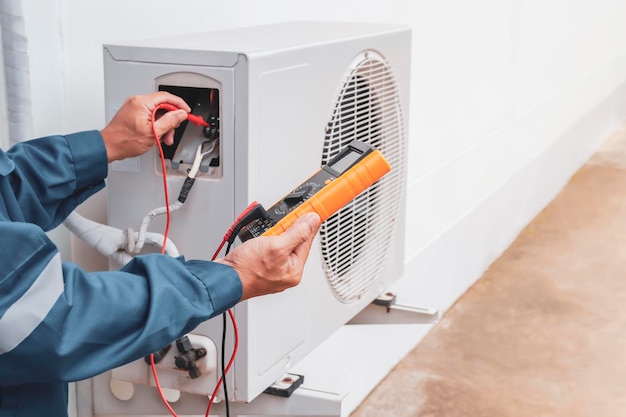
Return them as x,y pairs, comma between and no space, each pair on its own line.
193,118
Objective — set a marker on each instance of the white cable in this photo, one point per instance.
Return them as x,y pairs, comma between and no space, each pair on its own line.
141,235
122,245
197,160
193,171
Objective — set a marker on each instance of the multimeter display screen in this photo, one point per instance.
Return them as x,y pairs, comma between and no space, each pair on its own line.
346,161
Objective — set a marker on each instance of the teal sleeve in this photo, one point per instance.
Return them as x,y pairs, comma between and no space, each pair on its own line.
43,180
101,320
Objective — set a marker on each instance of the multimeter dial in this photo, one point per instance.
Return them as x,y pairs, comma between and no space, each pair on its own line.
297,196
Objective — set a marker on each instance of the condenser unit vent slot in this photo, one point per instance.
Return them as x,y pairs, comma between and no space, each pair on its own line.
355,242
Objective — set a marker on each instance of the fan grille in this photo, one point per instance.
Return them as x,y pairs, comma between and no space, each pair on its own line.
355,241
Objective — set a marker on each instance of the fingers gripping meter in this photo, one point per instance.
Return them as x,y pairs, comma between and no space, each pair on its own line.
350,172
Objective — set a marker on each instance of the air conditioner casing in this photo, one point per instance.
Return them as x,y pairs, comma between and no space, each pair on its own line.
279,87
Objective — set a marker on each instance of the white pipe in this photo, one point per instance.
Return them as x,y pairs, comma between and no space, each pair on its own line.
111,242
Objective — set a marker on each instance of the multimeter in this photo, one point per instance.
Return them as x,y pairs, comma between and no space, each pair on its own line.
350,172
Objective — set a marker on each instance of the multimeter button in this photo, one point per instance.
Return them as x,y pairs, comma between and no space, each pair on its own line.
297,196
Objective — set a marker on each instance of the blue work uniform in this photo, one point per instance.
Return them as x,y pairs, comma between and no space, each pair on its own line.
59,323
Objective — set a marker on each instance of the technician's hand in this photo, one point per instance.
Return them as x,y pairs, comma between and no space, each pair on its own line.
269,264
129,133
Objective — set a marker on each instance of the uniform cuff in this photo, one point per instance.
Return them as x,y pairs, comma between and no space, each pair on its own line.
90,158
224,292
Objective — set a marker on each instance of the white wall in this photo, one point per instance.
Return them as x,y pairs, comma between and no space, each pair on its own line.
497,85
508,99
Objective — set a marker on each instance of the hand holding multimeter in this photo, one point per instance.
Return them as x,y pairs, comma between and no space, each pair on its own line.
351,172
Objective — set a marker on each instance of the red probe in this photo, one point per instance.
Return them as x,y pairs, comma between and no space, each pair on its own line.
193,118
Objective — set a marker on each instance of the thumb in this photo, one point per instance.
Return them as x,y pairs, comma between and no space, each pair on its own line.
169,121
302,230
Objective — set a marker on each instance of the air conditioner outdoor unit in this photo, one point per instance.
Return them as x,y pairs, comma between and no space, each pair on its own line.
282,100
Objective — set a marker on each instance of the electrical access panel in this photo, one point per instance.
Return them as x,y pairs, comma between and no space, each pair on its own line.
281,101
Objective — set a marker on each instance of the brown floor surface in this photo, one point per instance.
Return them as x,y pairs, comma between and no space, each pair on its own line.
543,332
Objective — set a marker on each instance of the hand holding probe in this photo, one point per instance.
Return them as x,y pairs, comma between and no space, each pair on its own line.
193,118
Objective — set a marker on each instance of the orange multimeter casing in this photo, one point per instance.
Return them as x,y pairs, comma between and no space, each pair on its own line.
350,172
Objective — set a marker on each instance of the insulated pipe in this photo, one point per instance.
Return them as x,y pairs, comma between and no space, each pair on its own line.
111,242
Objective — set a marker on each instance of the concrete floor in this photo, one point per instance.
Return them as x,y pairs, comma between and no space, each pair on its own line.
543,332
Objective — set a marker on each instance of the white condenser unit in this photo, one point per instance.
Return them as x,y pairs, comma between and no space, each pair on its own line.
281,100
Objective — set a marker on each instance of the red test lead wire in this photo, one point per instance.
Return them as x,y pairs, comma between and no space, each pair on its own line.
235,227
200,122
163,169
230,363
167,229
193,118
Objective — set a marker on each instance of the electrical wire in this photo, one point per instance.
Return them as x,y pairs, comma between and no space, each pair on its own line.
226,402
229,237
163,170
225,370
158,386
136,245
165,234
230,363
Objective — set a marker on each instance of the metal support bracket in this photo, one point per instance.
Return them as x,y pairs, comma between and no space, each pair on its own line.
302,403
316,398
385,310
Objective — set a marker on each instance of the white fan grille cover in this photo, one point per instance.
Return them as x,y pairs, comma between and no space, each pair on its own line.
355,241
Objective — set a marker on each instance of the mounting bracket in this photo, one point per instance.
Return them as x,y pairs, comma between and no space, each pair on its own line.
385,310
332,390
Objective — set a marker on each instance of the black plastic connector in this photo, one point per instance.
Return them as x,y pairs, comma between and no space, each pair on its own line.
242,228
212,131
158,355
285,386
184,190
188,357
